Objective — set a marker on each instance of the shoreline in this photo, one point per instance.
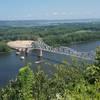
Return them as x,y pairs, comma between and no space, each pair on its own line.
73,43
6,52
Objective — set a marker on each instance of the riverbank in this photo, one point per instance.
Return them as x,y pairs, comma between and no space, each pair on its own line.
4,48
6,52
81,42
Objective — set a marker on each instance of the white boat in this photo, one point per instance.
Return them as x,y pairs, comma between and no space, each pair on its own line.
17,53
22,57
37,62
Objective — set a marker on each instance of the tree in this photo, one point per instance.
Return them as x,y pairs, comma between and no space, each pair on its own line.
93,71
41,86
25,81
98,56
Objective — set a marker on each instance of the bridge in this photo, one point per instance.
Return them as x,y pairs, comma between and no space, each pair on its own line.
40,45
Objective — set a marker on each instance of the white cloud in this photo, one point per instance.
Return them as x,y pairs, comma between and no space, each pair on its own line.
55,13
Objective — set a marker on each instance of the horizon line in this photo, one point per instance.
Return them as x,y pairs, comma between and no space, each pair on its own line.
49,19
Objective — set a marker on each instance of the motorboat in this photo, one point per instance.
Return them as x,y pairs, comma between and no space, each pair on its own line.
37,62
17,53
22,57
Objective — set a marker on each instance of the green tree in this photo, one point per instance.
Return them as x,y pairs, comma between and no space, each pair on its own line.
25,82
98,56
41,86
4,47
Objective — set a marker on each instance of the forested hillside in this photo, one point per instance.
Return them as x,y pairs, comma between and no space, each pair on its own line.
62,34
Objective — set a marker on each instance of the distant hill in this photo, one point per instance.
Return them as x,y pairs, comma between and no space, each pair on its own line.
30,23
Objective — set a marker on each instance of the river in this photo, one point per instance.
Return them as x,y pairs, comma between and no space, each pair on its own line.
10,63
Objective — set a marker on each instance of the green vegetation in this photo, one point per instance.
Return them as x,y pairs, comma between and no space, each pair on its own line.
69,82
61,34
4,47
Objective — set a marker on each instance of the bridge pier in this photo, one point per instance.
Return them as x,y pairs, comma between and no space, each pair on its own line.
22,50
40,53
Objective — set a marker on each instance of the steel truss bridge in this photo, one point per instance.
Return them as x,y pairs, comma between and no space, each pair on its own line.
40,45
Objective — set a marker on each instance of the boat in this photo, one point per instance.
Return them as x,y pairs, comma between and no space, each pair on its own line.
17,53
22,57
37,62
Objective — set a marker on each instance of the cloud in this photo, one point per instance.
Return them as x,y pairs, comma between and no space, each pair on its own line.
62,13
55,13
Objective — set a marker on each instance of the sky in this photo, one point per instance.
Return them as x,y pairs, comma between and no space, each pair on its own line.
49,9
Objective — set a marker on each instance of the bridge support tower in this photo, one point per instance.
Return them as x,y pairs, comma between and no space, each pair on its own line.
40,52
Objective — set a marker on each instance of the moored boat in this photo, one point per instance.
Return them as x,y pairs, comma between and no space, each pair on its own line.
22,57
